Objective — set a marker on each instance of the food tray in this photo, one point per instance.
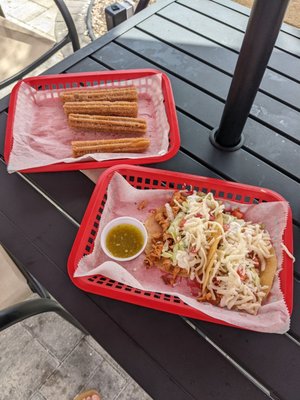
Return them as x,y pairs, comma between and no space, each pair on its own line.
148,178
65,81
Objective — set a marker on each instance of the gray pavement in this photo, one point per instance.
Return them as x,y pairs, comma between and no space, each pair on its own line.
43,17
44,357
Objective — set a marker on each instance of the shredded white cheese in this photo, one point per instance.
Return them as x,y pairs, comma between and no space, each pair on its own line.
285,249
244,247
235,276
193,231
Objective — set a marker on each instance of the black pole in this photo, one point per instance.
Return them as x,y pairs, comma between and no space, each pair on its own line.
141,5
261,34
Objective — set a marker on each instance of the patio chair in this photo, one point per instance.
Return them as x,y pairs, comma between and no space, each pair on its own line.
25,50
16,310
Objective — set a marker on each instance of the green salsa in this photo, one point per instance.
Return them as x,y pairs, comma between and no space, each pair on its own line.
124,240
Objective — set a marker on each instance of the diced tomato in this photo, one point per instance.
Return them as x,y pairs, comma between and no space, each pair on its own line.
199,215
211,217
182,222
216,282
193,250
241,274
237,213
256,262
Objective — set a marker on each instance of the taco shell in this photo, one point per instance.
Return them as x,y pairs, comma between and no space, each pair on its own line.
267,276
212,252
154,230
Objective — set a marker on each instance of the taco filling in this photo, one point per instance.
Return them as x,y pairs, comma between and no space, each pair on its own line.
243,268
184,235
231,261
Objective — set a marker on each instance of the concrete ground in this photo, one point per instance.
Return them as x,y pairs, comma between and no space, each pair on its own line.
43,17
44,357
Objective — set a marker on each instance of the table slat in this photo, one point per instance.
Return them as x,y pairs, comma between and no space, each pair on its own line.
265,109
273,83
226,36
256,351
291,30
239,21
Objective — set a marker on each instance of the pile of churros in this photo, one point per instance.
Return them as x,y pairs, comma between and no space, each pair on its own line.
113,110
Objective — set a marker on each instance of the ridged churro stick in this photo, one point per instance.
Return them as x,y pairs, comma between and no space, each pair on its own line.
128,145
106,124
128,93
117,108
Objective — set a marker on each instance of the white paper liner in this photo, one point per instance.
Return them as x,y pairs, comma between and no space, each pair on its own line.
273,317
41,135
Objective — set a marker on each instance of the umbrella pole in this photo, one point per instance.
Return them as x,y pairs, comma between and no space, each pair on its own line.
261,34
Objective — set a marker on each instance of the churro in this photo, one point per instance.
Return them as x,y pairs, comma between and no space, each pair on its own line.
128,93
128,145
117,108
107,124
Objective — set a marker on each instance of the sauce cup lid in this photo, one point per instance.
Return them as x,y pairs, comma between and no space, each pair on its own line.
118,221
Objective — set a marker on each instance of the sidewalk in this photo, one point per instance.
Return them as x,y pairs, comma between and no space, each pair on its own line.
44,357
43,17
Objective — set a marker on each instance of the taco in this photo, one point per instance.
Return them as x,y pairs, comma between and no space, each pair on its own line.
184,235
243,268
231,261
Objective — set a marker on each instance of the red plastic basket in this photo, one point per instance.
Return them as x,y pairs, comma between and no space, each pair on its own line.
64,81
148,178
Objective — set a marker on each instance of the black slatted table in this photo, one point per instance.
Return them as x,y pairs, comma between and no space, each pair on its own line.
197,45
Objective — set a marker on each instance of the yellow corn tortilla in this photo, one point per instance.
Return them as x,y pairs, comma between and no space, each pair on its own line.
212,252
267,276
153,229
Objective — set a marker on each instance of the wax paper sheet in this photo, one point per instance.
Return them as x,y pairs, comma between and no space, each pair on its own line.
41,135
123,199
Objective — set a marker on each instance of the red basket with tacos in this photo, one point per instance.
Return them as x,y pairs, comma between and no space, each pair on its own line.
217,251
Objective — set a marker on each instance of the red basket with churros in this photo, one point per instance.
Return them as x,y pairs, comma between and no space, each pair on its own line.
90,107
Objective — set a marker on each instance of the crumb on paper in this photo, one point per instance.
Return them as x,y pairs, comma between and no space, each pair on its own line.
142,204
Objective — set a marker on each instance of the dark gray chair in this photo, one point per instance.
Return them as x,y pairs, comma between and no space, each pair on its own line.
28,308
71,36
